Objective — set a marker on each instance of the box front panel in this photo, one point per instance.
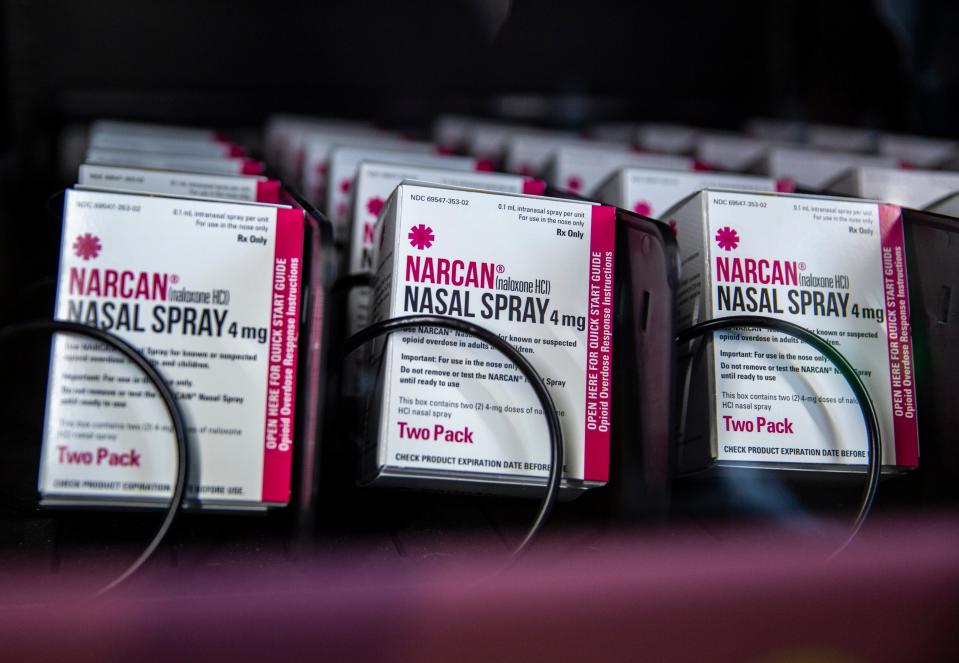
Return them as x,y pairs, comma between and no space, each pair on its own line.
217,316
836,267
538,273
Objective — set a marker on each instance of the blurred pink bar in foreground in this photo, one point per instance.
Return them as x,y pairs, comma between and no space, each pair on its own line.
742,596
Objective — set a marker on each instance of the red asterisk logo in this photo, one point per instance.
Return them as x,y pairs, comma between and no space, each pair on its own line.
786,185
643,207
574,183
421,237
374,205
87,246
345,186
727,238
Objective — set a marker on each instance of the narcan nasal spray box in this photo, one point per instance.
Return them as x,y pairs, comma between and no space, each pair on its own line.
666,138
319,147
835,266
344,161
782,131
581,168
143,180
185,163
487,140
650,192
285,137
813,170
909,188
210,292
619,132
451,412
449,131
527,152
151,130
918,151
841,139
375,181
165,145
732,152
302,145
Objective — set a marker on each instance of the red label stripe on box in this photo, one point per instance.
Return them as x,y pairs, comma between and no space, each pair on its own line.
899,336
281,360
599,343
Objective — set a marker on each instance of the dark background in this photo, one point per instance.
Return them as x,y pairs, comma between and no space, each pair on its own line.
887,64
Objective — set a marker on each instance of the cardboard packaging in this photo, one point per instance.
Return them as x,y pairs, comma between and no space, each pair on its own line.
616,132
580,169
185,163
375,182
780,131
344,160
908,188
450,132
151,130
731,152
650,192
165,145
813,170
142,180
449,412
487,140
319,146
918,151
842,139
528,152
210,292
666,138
286,136
762,399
